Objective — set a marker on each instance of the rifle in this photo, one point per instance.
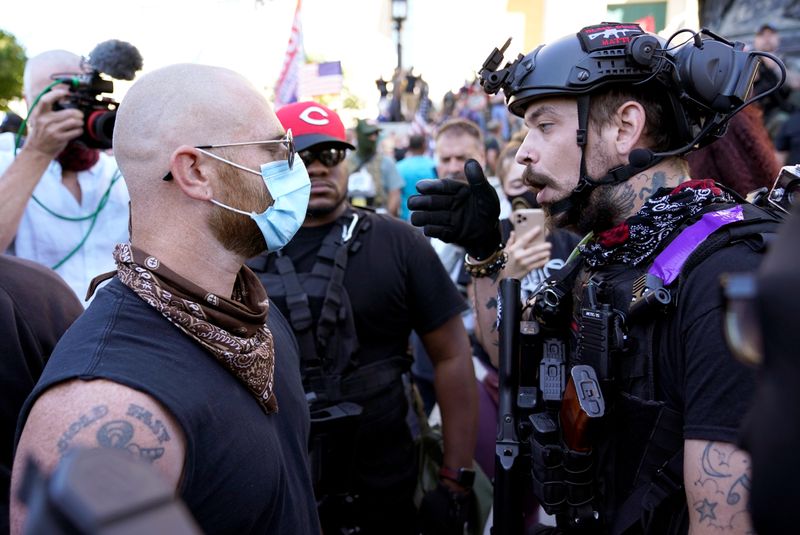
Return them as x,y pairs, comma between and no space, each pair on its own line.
509,451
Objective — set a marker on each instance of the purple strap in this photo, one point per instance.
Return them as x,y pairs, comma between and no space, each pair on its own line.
667,265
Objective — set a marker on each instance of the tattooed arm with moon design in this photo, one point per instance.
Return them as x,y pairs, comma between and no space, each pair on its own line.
717,480
97,414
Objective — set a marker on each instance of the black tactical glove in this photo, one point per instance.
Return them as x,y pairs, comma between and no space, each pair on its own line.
462,213
444,512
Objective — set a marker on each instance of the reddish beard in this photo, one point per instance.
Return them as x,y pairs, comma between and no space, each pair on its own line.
236,232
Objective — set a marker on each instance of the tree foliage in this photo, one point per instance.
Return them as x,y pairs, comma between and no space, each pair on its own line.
12,65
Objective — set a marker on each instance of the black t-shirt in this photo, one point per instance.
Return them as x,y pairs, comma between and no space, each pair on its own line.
244,471
696,373
395,282
36,307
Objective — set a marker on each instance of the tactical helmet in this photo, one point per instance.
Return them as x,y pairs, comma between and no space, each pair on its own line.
576,64
705,79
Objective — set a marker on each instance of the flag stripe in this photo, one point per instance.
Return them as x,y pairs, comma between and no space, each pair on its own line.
286,86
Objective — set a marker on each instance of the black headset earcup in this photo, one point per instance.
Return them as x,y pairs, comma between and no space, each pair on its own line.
708,73
641,49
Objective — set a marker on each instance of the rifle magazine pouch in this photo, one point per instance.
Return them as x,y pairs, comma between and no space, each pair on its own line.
578,477
547,471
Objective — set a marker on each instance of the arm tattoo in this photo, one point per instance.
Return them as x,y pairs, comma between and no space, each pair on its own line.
156,426
118,433
721,474
659,181
78,425
492,304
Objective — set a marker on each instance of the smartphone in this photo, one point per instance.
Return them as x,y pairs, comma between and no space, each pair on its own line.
527,218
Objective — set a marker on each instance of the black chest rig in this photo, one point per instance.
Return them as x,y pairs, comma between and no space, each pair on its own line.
321,317
606,453
342,393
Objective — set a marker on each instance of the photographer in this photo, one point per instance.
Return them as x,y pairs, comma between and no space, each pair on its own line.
639,436
60,202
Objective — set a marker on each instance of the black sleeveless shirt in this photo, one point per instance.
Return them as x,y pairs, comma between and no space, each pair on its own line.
244,471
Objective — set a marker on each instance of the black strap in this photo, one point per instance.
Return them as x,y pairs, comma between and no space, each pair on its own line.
299,311
361,383
329,315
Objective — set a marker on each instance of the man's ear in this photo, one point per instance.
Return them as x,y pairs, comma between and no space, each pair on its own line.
630,122
192,172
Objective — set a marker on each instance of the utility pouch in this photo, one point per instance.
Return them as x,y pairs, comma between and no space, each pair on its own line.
547,463
331,447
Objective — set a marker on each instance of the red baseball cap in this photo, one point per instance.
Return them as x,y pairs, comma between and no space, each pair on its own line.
313,123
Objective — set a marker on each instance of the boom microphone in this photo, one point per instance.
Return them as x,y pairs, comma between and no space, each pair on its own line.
118,59
641,158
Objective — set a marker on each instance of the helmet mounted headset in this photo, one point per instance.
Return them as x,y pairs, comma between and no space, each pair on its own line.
705,80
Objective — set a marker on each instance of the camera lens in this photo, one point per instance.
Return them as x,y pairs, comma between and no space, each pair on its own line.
792,194
100,127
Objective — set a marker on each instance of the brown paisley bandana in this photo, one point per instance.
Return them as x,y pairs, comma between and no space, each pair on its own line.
233,330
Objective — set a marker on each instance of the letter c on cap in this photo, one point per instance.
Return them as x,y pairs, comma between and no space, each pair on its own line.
306,116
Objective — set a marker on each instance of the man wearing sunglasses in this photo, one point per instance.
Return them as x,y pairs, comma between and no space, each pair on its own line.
354,284
180,359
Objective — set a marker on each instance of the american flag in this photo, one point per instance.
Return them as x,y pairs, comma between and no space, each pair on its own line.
286,87
320,79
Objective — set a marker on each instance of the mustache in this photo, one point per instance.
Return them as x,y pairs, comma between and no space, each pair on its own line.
535,180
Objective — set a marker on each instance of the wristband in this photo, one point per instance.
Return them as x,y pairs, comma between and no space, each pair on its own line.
484,268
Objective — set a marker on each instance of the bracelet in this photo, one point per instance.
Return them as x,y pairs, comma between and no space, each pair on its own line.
484,268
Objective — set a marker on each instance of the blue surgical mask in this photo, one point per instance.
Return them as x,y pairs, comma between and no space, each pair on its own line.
290,189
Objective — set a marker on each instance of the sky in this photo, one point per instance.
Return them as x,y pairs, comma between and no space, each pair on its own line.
444,40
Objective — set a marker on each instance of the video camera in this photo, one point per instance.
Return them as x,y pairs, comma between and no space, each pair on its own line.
88,92
785,191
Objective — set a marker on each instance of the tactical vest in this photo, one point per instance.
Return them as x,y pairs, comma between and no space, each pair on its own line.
340,390
329,347
629,478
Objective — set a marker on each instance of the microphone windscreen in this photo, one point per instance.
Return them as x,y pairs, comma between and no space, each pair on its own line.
118,59
641,158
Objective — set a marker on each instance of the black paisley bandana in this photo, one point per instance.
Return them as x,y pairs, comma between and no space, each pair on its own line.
641,235
233,330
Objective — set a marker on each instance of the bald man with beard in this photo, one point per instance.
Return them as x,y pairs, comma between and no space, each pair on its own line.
179,359
68,180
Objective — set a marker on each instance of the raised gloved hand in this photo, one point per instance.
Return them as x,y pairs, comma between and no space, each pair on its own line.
445,512
462,213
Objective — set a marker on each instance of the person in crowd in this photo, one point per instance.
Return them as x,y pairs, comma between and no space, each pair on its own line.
778,105
744,159
456,141
636,324
180,359
416,165
62,203
493,143
36,308
787,142
354,284
374,180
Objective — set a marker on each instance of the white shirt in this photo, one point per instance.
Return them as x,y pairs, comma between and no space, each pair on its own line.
46,239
